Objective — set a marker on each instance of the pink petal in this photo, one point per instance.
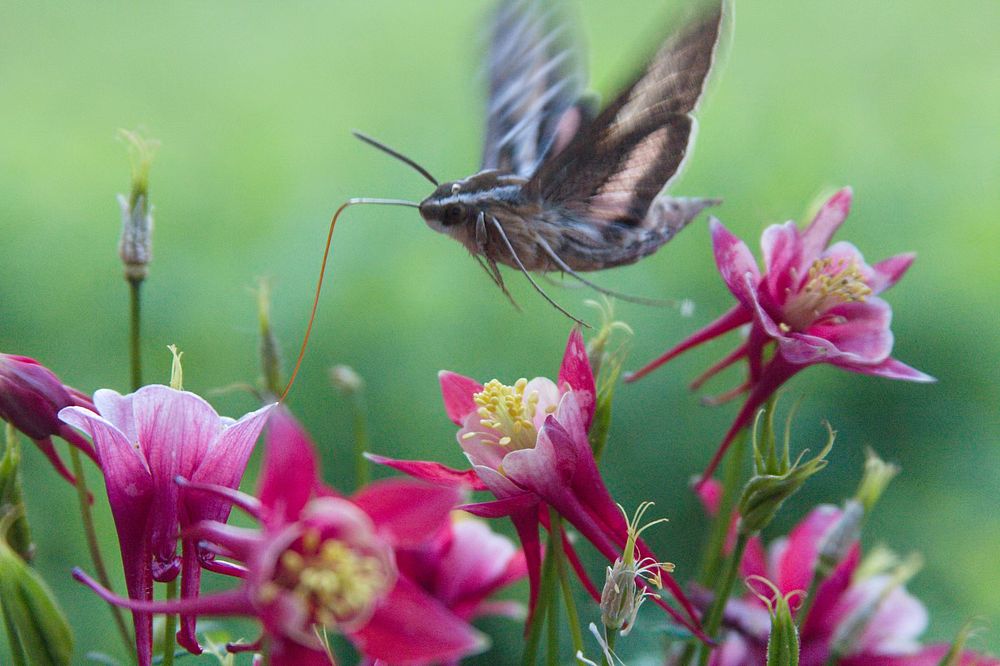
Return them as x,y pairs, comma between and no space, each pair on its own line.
781,246
575,371
890,369
754,562
798,560
457,391
117,410
889,271
851,333
411,627
928,656
226,460
898,622
548,465
284,652
733,319
406,511
825,614
432,472
289,471
175,430
735,262
710,496
501,508
829,218
474,565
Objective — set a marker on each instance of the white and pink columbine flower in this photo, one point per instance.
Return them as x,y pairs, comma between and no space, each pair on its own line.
816,302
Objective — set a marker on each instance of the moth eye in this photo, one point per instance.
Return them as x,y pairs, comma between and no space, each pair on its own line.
453,214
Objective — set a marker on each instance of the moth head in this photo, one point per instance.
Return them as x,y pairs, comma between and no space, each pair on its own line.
447,208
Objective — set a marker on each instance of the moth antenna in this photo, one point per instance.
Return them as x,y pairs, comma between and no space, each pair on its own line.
656,302
375,143
517,260
322,274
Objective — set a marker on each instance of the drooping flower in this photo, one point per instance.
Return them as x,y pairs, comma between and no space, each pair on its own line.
324,562
31,396
145,441
528,446
861,610
816,302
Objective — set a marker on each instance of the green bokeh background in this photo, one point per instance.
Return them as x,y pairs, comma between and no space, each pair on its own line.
254,103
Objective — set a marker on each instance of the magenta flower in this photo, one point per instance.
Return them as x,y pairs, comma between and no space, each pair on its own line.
145,441
818,303
870,618
528,446
323,562
30,399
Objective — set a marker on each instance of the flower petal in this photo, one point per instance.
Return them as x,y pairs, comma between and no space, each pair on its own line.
457,391
411,627
575,371
406,511
829,218
794,570
852,333
890,369
289,471
432,472
889,271
226,460
734,261
474,565
781,246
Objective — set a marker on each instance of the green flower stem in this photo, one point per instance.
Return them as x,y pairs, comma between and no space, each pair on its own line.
135,352
556,547
722,592
611,637
803,612
361,475
552,635
732,479
83,498
545,593
169,628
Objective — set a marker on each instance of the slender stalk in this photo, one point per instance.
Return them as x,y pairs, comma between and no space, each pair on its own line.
169,628
14,640
135,352
83,498
552,635
545,592
556,546
732,478
722,592
611,638
361,474
802,614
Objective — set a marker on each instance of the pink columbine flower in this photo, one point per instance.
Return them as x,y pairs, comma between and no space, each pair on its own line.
323,562
30,398
528,446
145,441
818,303
874,618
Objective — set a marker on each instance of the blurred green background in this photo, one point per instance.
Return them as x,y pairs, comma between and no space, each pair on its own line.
254,105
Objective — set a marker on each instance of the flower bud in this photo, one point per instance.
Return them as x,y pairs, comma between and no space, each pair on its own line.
776,479
135,247
36,623
19,534
783,641
874,480
270,358
346,380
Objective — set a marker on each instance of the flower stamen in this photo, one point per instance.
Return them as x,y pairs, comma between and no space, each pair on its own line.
830,282
508,413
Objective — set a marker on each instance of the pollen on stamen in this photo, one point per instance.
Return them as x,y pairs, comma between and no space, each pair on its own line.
507,414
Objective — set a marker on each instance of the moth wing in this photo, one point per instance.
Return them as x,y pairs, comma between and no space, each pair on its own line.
614,167
536,77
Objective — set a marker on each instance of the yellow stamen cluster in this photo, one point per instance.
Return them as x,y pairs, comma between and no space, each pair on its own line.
337,583
830,283
507,411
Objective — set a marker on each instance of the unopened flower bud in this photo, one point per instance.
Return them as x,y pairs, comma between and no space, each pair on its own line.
875,479
30,609
776,479
19,534
135,247
346,380
606,364
270,358
783,641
